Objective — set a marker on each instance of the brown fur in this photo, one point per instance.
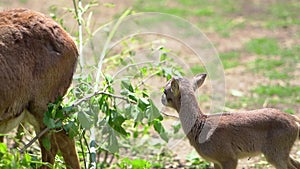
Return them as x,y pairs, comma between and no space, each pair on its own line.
225,138
37,62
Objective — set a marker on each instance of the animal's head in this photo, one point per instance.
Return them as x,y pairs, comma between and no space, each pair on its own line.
178,86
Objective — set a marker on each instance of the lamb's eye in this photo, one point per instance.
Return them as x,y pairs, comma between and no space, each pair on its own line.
165,91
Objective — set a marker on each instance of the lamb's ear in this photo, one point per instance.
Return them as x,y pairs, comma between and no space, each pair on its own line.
198,81
175,86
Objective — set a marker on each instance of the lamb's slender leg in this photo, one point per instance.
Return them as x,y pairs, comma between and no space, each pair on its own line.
278,160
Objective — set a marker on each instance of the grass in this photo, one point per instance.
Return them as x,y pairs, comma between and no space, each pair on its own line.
274,15
263,46
208,15
230,59
290,111
261,64
274,74
277,90
283,14
292,53
197,69
245,102
273,61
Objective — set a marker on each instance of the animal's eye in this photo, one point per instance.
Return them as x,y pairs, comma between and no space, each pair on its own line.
165,91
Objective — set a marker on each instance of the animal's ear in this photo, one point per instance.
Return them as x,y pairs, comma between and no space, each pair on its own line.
198,81
175,86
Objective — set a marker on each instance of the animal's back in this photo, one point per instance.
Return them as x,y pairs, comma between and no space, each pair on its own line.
37,61
246,133
260,118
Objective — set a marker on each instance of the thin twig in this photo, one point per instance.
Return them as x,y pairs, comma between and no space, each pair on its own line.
105,157
146,79
34,139
106,45
82,149
111,159
169,115
86,143
128,66
78,14
76,11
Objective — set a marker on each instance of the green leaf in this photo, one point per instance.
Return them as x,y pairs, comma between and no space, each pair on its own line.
71,128
58,124
3,148
140,163
108,79
152,112
84,120
26,160
176,127
158,127
48,121
163,57
46,143
132,96
143,103
113,145
125,84
135,163
138,115
59,114
116,121
69,109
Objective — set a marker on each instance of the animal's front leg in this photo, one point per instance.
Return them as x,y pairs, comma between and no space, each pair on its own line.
67,147
48,155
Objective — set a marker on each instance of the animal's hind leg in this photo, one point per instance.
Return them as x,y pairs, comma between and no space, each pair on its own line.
48,155
277,160
68,149
37,111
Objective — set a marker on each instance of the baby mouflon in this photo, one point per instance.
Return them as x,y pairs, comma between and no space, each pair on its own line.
225,138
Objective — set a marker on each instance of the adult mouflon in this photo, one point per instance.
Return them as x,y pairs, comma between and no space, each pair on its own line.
37,62
225,138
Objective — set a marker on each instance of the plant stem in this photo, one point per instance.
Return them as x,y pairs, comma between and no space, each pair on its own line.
82,149
78,14
97,82
104,51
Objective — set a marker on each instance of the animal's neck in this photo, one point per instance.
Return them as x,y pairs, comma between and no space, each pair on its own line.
189,111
